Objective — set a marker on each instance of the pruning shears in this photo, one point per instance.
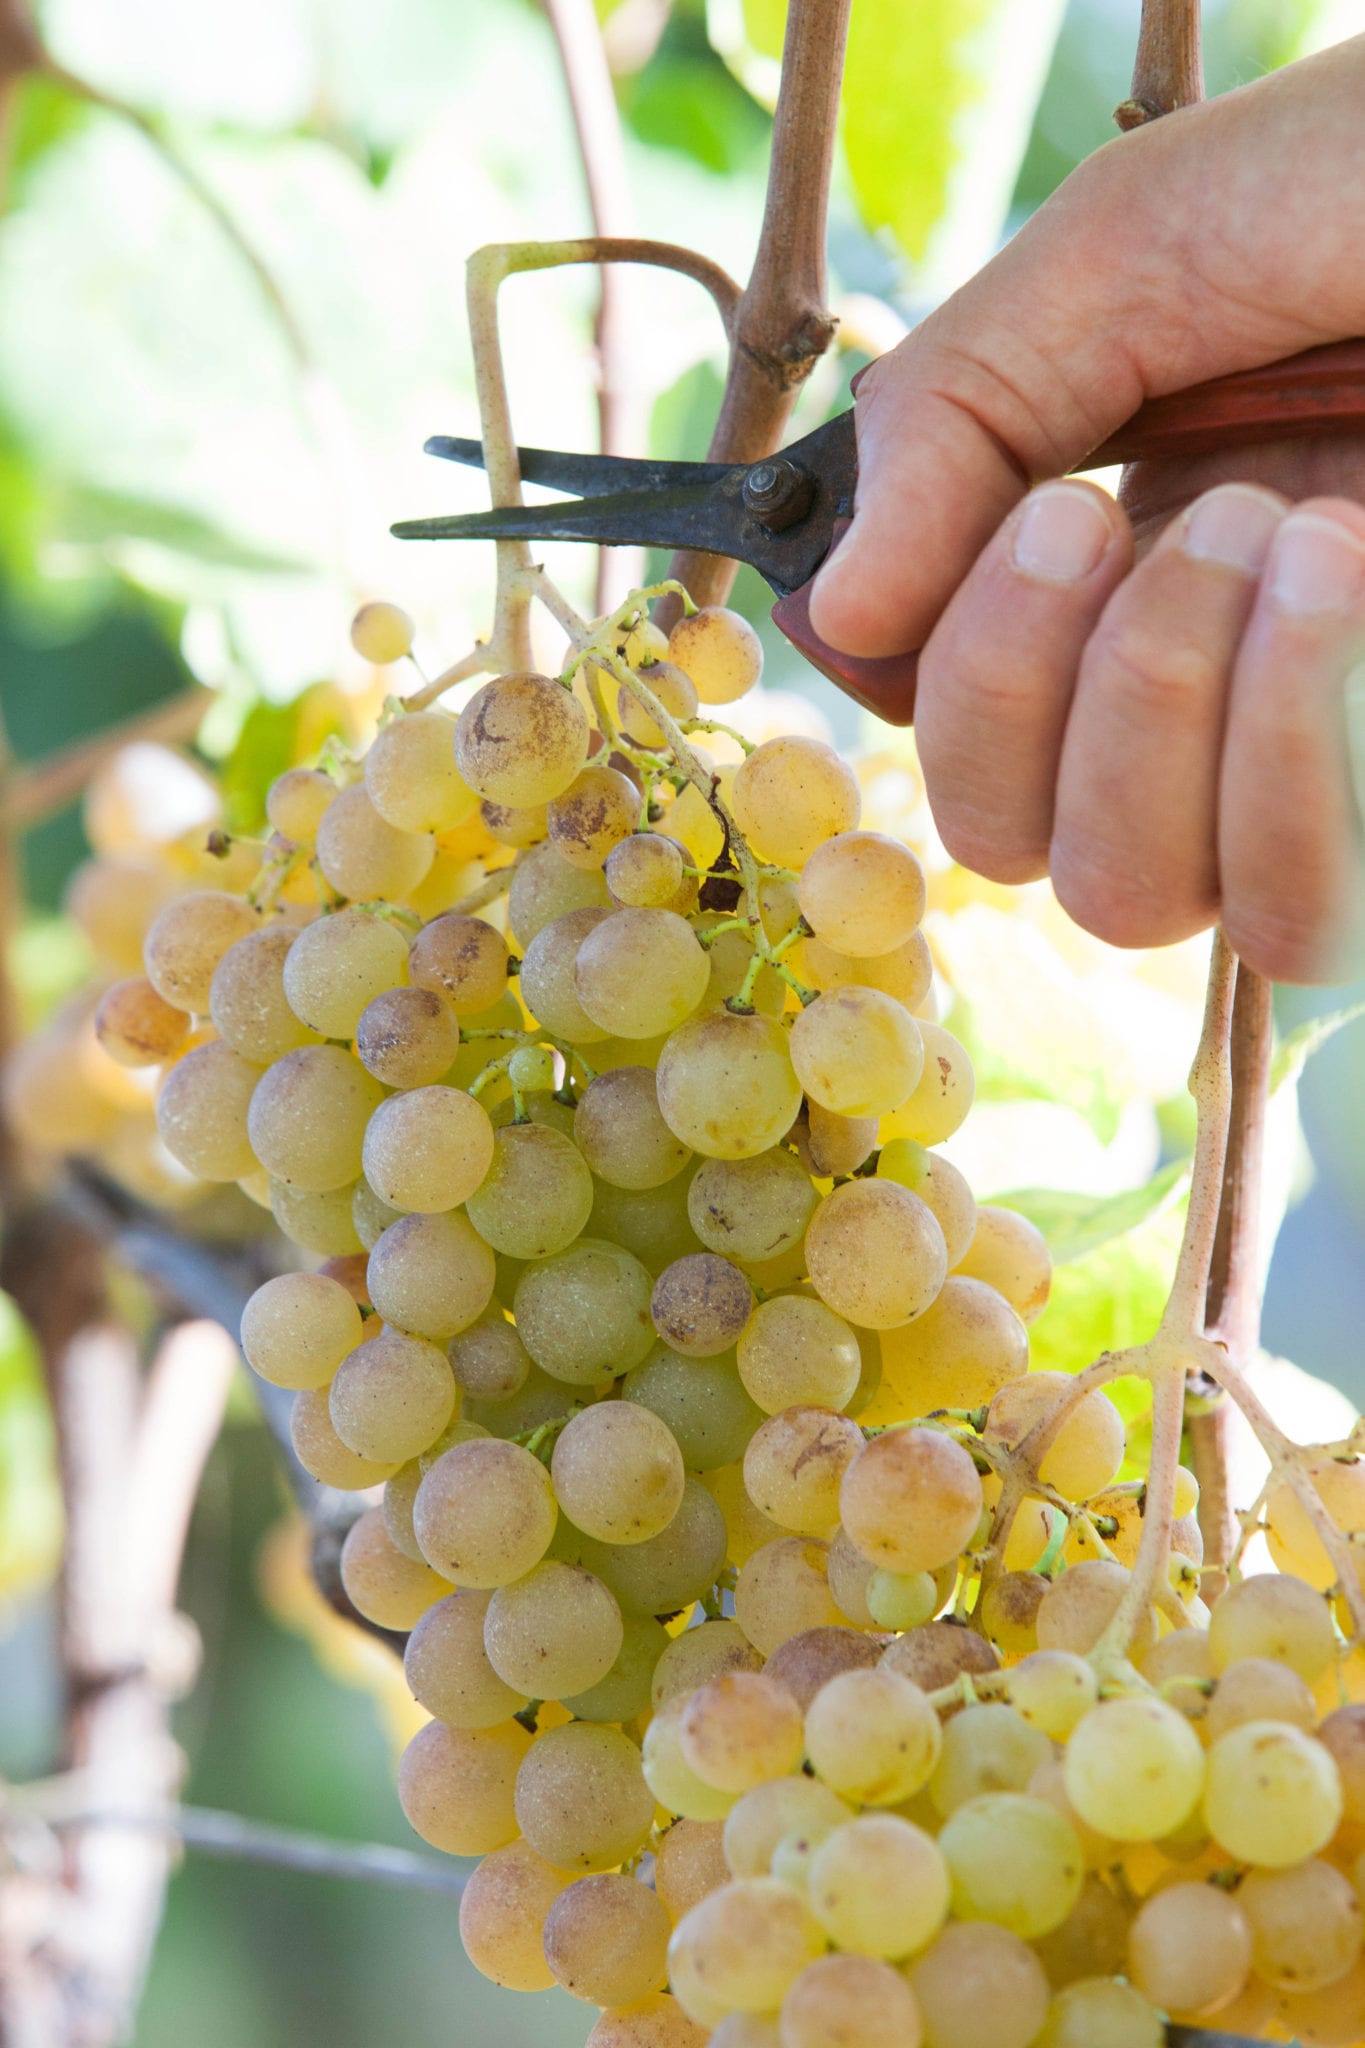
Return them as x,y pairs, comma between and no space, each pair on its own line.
782,515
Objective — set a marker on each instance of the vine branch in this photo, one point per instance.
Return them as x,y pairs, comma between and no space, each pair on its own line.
1168,71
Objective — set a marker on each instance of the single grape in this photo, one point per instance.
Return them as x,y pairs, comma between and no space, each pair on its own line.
700,1304
584,1315
503,1908
654,2022
113,901
381,633
1053,1690
308,1115
447,1668
456,1785
411,776
771,1812
911,1500
795,1350
987,1748
939,1186
848,2001
1305,1925
515,825
906,972
366,858
203,1109
1013,1860
320,1450
388,1588
876,1253
1273,1795
248,1001
618,1474
650,1223
536,1196
699,1655
295,802
606,1939
943,1095
873,1736
297,1328
1189,1948
521,740
1271,1615
1093,1939
726,1085
938,1653
900,1600
1010,1254
581,1798
1079,1606
879,1886
674,690
621,1133
740,1730
794,1465
137,1027
806,1660
336,965
485,1513
704,1403
461,958
544,887
431,1276
979,1984
830,1145
862,893
427,1150
783,1590
791,794
640,973
407,1037
554,1632
857,1052
689,1862
391,1397
488,1359
754,1208
648,872
1101,2012
719,650
187,939
1134,1769
599,809
1086,1452
741,1949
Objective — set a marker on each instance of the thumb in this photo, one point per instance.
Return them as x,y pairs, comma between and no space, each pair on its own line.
1139,276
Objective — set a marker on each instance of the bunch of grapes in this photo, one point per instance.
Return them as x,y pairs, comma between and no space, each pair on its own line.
684,1375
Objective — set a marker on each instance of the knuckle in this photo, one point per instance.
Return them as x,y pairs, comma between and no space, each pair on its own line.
1161,676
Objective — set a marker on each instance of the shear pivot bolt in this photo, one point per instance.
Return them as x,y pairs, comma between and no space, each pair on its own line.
777,493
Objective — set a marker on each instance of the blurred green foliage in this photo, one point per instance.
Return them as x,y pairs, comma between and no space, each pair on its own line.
191,485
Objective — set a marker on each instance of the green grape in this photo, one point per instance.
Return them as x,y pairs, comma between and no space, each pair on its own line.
447,1667
544,887
391,1397
297,1328
648,872
512,825
901,1600
703,1401
1273,1616
399,1494
940,1102
407,1037
624,1693
538,1399
726,1085
295,802
965,1348
319,1223
619,1129
793,1467
980,1984
203,1109
906,972
876,1254
1013,1860
911,1500
547,981
741,1949
739,1730
783,1590
456,1785
430,1276
1010,1254
872,1736
939,1186
532,1069
857,1052
830,1145
389,1589
503,1908
363,856
488,1359
137,1027
308,1115
461,958
581,1798
674,690
556,1631
719,651
537,1195
247,999
1273,1795
772,1812
1101,2012
652,1223
988,1748
1134,1769
320,1450
1189,1948
618,1474
381,633
427,1150
521,740
849,2001
795,1350
1087,1450
862,893
1305,1925
791,794
411,777
606,1939
689,1862
337,964
879,1886
584,1316
186,941
807,1660
938,1653
1074,1616
599,809
484,1513
670,1777
850,1576
640,973
1053,1689
699,1655
370,1215
700,1304
753,1208
666,1572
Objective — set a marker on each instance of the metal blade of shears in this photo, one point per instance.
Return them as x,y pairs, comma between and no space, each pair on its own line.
662,519
587,476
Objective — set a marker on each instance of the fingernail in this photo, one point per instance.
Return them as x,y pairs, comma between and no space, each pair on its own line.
1062,534
1233,526
1316,565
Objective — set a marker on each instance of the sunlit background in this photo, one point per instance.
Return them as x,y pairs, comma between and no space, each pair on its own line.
205,431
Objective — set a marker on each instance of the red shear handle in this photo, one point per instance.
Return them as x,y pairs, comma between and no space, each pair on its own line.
1320,392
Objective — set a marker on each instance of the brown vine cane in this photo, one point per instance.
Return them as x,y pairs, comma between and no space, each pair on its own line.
1318,393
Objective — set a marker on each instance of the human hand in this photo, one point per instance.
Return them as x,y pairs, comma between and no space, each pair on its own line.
1152,708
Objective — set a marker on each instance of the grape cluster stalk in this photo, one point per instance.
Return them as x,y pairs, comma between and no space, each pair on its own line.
804,1670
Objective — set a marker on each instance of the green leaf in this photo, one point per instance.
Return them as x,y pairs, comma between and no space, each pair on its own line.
30,1503
1026,1021
1077,1225
1293,1052
938,103
93,514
